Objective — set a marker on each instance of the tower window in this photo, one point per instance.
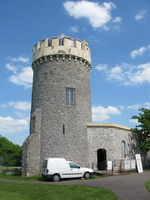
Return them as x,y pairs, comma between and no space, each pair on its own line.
70,96
72,43
61,41
49,42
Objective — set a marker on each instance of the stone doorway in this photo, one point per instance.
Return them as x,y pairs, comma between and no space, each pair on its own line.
101,159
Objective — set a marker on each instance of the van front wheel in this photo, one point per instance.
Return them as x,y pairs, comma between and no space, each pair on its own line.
87,175
56,177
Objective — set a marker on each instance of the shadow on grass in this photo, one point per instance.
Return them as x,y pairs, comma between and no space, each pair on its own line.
17,175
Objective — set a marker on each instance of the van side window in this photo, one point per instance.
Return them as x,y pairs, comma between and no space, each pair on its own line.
74,166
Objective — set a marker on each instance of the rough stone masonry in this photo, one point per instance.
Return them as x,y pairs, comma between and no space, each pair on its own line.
61,120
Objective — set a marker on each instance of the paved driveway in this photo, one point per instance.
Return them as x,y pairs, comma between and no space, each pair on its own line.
126,187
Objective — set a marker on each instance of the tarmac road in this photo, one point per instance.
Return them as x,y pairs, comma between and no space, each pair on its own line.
126,187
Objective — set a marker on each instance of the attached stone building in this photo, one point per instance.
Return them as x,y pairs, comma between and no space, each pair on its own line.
61,120
110,142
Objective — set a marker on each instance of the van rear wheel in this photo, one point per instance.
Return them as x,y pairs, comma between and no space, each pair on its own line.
56,178
87,175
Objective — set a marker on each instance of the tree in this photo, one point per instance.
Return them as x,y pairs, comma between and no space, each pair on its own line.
143,129
10,152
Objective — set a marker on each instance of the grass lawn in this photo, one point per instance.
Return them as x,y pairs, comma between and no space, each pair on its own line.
16,175
9,168
41,191
44,191
147,184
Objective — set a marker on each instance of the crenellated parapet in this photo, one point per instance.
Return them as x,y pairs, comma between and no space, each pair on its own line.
62,47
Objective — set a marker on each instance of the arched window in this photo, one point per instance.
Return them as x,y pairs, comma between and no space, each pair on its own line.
123,149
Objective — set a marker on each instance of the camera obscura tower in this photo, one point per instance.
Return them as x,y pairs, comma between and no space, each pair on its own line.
61,103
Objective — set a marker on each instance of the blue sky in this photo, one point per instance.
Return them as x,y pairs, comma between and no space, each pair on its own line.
118,33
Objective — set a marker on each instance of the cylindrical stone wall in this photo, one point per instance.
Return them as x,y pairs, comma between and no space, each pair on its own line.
63,130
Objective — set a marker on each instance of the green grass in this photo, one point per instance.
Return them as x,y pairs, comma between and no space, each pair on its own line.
16,175
41,191
44,191
147,184
9,168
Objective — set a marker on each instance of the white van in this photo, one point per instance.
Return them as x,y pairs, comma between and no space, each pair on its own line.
59,168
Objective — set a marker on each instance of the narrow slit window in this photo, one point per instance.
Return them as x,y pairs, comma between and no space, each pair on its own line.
123,149
63,128
70,96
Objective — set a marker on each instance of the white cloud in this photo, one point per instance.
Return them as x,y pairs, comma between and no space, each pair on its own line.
127,74
101,67
22,78
100,113
135,106
116,70
10,125
97,15
20,105
141,14
142,75
134,121
117,20
11,68
116,27
20,59
139,105
74,29
147,105
22,74
122,107
115,74
11,103
138,52
23,115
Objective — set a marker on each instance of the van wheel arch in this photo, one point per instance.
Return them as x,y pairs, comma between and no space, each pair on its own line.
56,177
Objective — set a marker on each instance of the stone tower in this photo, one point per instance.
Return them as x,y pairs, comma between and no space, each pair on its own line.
61,103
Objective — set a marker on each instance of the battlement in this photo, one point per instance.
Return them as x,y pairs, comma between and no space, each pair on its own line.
64,46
